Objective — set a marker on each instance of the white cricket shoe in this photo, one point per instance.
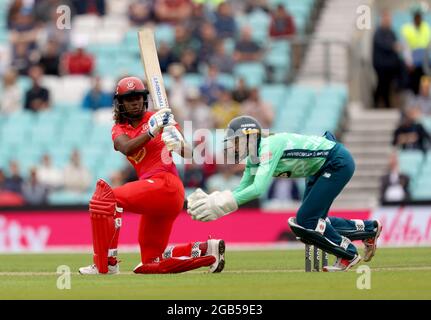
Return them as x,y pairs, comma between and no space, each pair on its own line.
370,245
92,269
217,249
342,264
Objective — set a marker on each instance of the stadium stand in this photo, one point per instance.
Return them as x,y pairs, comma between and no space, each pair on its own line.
25,136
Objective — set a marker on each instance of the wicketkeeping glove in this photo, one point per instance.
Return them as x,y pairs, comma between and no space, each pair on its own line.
159,120
172,138
212,207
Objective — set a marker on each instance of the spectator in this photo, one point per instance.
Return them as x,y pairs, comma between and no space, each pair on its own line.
140,12
48,175
386,61
241,92
14,181
23,58
166,57
225,109
97,7
11,94
198,113
423,100
24,30
8,198
34,192
183,41
224,179
258,109
172,11
246,49
394,185
78,62
96,98
50,60
177,93
208,40
223,61
416,37
225,24
14,10
411,135
37,97
77,177
197,19
282,23
51,32
211,88
189,61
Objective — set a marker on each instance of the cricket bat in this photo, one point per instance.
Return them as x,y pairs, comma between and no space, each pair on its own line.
151,64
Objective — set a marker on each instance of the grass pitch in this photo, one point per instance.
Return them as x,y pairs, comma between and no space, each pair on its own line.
395,274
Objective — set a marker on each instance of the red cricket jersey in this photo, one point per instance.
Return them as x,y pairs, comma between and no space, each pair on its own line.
151,158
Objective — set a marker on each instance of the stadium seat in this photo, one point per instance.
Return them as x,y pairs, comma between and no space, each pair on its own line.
410,161
164,33
253,73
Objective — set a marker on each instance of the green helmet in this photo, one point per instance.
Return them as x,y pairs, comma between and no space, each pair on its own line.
243,135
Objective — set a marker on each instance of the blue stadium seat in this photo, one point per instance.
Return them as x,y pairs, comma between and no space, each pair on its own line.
67,198
226,80
410,161
253,73
275,94
164,33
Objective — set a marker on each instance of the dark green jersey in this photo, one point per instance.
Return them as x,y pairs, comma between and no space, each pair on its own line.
282,155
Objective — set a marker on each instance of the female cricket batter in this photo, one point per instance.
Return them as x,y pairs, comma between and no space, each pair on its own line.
158,195
326,164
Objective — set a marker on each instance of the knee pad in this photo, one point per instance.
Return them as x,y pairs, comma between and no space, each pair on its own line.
105,223
316,237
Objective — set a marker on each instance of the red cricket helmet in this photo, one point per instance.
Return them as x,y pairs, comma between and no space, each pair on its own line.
126,87
130,85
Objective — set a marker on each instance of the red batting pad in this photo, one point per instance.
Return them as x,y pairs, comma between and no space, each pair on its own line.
102,212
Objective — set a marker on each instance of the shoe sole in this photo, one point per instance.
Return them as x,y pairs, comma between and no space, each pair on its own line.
373,252
352,264
221,251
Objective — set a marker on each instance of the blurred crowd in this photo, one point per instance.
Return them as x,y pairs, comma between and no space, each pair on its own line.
38,48
42,179
400,63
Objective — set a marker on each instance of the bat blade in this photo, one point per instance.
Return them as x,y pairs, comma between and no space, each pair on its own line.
151,64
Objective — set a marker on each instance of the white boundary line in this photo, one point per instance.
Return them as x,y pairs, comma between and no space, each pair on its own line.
229,247
128,273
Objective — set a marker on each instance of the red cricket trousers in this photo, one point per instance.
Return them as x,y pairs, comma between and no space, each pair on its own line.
158,200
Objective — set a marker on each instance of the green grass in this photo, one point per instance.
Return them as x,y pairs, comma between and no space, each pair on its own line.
395,274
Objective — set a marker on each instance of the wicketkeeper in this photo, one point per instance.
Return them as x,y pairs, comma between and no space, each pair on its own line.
326,164
146,139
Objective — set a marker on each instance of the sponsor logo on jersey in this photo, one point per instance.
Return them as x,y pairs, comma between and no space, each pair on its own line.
138,156
299,153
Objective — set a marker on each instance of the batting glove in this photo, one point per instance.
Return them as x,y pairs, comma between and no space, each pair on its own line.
172,138
159,120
